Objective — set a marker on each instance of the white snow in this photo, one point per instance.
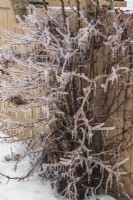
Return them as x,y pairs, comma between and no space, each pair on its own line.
32,189
102,197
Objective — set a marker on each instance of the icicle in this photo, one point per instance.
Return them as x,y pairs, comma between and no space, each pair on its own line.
37,112
46,77
16,114
8,123
47,113
25,114
43,110
123,50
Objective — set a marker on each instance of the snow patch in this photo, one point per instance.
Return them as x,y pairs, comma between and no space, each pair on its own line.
32,189
102,197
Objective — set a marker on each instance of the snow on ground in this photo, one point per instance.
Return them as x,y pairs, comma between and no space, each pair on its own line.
34,189
102,197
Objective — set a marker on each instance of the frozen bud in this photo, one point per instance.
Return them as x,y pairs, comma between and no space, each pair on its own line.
110,38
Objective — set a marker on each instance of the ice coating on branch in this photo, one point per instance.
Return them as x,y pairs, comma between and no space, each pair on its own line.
114,76
50,77
64,79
